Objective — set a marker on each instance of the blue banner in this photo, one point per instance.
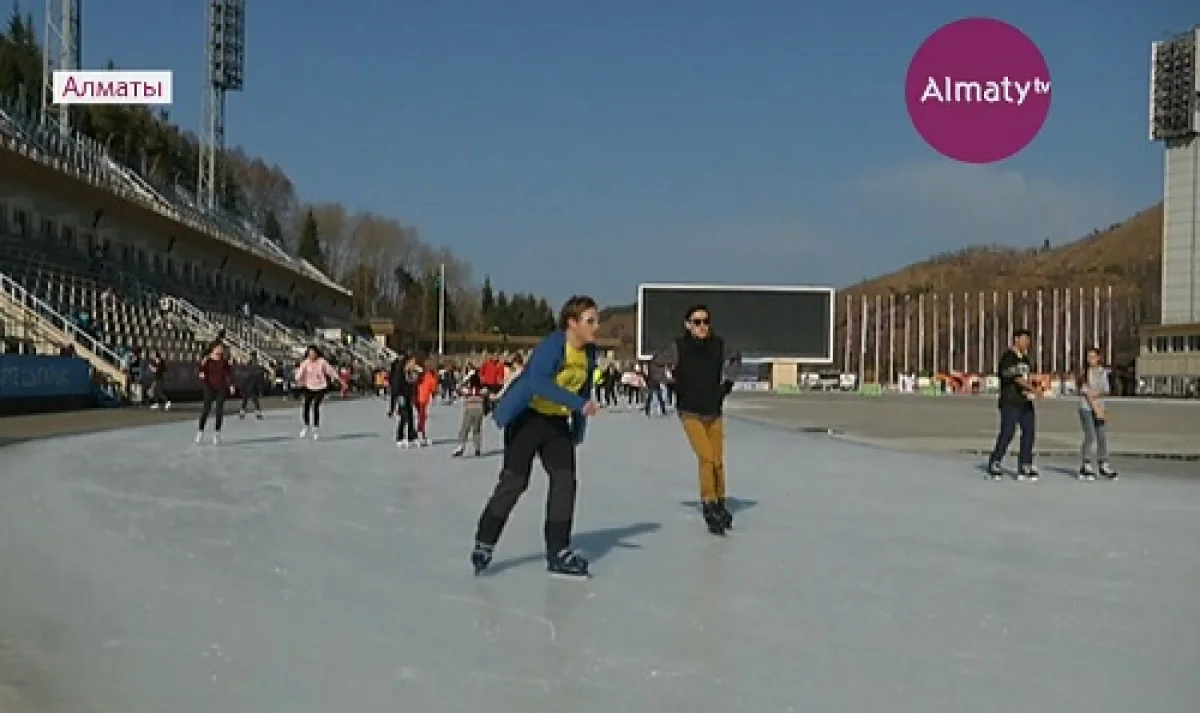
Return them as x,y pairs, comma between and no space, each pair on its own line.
33,377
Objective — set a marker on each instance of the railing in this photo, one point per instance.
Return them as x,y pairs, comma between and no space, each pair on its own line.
25,298
281,334
193,314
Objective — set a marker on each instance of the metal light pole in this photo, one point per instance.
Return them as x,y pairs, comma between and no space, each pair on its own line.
442,310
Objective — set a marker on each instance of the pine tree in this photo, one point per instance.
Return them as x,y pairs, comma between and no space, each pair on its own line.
272,229
487,302
310,242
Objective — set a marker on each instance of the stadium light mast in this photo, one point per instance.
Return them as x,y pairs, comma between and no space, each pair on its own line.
224,72
1175,121
64,52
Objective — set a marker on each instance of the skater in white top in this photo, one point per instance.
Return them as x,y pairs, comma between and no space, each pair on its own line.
1093,385
313,377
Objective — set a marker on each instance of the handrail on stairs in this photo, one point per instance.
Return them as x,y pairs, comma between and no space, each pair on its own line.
191,311
39,307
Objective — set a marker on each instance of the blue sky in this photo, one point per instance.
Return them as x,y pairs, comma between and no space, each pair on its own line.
567,146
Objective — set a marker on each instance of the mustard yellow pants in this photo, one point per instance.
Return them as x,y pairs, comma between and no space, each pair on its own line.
707,438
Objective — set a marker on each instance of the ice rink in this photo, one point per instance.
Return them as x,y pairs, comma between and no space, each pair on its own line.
141,572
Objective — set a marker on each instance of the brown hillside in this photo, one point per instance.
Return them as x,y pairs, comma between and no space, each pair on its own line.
1126,256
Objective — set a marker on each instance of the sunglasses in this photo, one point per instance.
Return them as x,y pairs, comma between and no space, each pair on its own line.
700,322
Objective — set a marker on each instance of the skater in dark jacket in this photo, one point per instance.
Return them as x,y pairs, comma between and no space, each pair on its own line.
404,396
395,376
703,367
544,415
254,387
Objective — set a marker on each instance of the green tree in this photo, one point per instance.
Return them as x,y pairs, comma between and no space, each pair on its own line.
432,299
272,229
310,242
547,320
501,316
487,302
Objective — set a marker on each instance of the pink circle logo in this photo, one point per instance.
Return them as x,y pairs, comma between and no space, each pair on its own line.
978,90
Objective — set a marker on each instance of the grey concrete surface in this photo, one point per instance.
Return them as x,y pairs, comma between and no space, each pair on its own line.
144,573
966,425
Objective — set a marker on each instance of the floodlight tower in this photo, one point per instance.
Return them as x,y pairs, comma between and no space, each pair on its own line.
64,52
224,71
1175,121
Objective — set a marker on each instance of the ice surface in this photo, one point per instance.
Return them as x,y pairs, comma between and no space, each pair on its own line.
143,573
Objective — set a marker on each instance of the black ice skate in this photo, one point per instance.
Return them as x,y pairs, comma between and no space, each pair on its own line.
1086,472
568,564
712,518
995,471
1027,473
481,557
458,452
1107,472
724,514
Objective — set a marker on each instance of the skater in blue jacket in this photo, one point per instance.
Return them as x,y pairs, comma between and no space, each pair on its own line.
543,413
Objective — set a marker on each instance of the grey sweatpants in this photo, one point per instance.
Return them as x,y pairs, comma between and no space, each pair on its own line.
472,427
1095,438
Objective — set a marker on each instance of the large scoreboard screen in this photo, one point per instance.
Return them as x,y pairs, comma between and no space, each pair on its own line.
763,323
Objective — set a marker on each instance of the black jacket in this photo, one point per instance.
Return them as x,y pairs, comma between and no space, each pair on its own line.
702,372
255,379
1012,367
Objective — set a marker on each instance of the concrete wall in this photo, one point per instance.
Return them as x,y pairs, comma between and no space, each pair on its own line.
1181,233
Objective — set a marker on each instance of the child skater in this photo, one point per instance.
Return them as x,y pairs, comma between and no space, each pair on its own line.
544,415
473,395
427,385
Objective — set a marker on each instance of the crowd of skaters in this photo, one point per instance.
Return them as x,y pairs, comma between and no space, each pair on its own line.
542,402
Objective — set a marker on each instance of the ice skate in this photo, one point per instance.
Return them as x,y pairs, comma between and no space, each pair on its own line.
1086,472
200,438
995,471
1027,474
724,514
458,452
481,557
712,518
567,564
216,439
304,432
1107,472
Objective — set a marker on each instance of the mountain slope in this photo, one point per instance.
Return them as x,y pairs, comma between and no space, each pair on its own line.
1127,256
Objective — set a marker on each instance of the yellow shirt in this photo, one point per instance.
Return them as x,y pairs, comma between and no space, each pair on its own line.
571,376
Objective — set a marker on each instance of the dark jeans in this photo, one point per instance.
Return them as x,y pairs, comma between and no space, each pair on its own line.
251,396
312,407
214,405
1012,418
652,393
548,438
406,423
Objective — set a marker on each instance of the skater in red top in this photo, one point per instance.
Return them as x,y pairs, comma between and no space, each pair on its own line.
426,387
491,373
216,379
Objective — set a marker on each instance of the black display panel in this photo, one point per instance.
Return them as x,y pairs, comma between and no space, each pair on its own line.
763,323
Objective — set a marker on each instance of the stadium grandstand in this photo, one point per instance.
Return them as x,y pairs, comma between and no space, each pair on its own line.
99,261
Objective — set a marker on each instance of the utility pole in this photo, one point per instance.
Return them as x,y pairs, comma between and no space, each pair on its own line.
442,310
